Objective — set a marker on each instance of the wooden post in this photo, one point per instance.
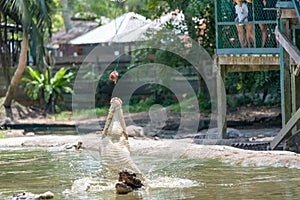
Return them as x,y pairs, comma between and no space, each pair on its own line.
285,76
295,83
290,85
222,122
297,96
286,129
295,87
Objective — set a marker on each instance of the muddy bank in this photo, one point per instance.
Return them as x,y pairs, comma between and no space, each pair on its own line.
187,149
40,142
170,148
241,117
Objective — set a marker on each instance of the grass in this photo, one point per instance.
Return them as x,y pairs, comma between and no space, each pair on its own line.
63,115
103,111
2,136
140,106
186,105
136,108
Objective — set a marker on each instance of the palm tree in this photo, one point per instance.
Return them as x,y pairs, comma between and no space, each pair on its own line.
35,18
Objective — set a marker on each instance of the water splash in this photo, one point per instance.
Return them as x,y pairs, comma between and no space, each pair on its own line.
98,185
92,185
171,182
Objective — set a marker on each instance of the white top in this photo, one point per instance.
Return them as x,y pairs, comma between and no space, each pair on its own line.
242,12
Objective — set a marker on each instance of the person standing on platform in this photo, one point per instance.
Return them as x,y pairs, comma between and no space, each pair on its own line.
241,10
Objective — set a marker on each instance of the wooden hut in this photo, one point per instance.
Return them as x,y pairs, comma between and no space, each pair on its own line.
73,49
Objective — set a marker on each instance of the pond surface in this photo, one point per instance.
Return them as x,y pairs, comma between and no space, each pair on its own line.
39,171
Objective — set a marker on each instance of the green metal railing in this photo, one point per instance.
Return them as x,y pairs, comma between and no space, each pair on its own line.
262,20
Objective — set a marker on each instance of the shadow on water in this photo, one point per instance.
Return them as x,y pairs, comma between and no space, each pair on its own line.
40,171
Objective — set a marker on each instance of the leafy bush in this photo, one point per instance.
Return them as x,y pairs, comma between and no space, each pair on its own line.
258,84
48,88
204,103
2,136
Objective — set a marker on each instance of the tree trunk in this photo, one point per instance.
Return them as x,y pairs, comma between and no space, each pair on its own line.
200,84
66,15
17,76
50,107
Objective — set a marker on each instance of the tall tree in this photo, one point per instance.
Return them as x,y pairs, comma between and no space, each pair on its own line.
35,17
66,14
5,19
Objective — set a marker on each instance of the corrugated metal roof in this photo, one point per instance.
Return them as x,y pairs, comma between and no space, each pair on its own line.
111,31
139,33
132,36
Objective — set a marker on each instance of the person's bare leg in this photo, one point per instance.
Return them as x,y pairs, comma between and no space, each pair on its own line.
241,35
264,35
250,35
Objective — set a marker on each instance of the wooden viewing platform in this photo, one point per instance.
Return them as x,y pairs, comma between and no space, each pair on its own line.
248,63
283,55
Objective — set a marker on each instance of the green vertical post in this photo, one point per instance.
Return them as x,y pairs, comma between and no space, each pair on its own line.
216,24
295,84
285,77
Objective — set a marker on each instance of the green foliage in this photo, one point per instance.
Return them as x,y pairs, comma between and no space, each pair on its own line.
172,35
49,88
137,6
254,83
193,10
105,86
34,85
204,103
95,8
157,94
90,9
2,136
35,18
63,115
140,104
171,41
185,105
58,22
202,31
100,111
165,38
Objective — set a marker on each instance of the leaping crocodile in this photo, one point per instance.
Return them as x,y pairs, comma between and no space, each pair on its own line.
114,145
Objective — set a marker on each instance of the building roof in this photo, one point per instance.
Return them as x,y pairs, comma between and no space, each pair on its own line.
79,27
140,33
110,32
134,35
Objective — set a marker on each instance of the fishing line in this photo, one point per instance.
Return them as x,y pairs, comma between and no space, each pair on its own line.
116,34
114,74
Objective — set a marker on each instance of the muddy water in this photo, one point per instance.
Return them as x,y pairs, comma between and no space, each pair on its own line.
39,171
